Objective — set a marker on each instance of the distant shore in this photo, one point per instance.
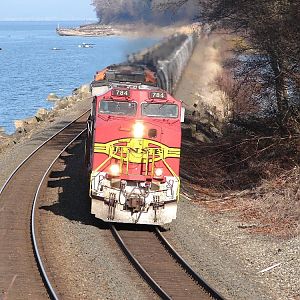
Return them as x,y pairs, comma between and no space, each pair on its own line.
91,30
94,30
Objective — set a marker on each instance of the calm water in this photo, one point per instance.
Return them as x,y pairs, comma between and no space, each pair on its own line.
30,69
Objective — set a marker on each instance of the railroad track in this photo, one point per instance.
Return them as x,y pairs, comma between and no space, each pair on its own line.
22,274
161,266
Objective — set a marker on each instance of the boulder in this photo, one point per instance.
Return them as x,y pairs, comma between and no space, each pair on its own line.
62,104
19,124
71,99
202,137
52,97
2,131
203,121
216,131
23,126
30,121
85,89
41,114
82,91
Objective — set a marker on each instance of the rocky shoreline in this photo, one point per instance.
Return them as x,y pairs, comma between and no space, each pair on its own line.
43,117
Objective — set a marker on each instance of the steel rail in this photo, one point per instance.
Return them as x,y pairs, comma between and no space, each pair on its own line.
37,149
47,282
40,266
172,252
216,295
153,284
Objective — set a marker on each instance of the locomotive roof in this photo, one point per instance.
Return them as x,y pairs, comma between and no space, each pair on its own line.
133,73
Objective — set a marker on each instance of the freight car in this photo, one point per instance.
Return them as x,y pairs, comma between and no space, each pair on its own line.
133,147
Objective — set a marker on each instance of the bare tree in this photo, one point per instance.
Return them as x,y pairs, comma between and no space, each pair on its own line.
270,51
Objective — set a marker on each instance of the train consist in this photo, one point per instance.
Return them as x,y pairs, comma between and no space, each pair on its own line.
133,147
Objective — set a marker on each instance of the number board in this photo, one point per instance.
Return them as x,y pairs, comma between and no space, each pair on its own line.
158,95
120,93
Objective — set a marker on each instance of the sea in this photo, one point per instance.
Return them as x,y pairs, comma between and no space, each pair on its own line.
30,68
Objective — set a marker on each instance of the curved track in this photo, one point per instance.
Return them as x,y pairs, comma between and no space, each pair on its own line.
20,272
159,264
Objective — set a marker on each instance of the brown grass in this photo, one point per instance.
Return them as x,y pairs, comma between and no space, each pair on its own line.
257,177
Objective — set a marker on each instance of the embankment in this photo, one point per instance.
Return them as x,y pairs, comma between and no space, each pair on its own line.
26,128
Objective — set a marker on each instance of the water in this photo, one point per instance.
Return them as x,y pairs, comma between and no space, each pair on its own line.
30,69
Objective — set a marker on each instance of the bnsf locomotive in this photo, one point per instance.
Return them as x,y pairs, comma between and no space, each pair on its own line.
133,147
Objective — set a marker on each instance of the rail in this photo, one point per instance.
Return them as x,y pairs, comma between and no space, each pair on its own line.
47,284
38,148
155,286
166,272
216,295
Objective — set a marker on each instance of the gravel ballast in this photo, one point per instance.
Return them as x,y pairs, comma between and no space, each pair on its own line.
83,257
232,260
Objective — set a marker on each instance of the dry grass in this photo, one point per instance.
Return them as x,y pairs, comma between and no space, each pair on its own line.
258,177
276,205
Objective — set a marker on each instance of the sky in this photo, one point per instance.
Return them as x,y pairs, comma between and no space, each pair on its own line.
46,10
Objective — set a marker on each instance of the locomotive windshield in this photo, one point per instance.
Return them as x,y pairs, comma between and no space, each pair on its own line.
160,110
123,108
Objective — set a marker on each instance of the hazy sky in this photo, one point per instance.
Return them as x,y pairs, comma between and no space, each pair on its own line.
46,10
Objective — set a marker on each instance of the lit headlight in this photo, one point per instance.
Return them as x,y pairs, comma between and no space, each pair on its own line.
114,170
138,130
158,172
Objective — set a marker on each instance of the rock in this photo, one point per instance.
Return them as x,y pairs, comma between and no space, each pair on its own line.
85,89
53,114
41,114
202,137
30,121
203,120
62,104
193,130
52,97
82,92
216,131
2,132
23,126
19,124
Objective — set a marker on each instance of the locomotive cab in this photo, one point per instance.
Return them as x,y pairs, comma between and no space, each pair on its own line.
134,150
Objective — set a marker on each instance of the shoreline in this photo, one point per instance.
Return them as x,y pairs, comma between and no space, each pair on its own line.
26,128
131,30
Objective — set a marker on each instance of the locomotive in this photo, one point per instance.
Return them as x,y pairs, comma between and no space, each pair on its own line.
133,147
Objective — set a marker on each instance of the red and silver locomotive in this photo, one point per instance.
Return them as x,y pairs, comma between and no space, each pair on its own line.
133,147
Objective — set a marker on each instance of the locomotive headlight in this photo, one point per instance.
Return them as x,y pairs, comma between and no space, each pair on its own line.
114,170
138,130
158,172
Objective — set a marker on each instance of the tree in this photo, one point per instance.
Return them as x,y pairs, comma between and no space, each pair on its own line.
271,31
148,11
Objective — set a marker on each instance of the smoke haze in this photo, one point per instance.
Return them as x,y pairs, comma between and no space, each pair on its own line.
146,11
